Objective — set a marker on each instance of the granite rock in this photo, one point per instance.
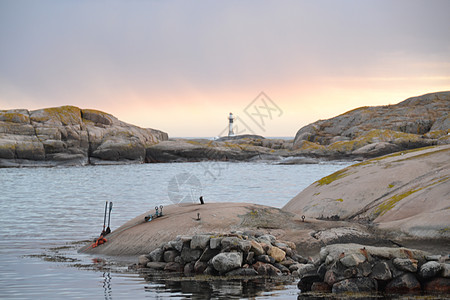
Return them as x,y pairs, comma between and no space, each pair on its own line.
68,135
225,262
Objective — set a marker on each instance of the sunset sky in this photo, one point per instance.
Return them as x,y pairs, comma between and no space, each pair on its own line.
182,66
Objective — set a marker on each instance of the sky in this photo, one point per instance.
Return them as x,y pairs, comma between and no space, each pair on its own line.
183,66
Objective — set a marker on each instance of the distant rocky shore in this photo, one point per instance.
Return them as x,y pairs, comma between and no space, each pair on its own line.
362,133
69,135
373,131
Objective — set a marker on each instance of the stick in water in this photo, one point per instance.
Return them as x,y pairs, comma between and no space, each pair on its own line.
104,218
108,230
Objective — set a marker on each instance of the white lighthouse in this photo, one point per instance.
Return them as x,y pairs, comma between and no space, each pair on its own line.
230,126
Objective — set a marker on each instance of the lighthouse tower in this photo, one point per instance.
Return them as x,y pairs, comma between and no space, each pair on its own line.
230,126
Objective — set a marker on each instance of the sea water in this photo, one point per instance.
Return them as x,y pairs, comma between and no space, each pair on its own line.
46,212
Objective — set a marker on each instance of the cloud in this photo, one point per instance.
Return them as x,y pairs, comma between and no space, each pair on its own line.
102,53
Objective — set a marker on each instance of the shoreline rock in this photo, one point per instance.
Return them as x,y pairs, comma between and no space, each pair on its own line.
403,195
354,268
225,254
359,134
68,135
339,269
367,132
239,148
137,236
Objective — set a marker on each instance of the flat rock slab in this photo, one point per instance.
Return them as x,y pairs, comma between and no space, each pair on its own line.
139,237
335,251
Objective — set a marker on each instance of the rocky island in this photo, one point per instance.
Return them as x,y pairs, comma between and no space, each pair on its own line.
373,131
69,135
359,134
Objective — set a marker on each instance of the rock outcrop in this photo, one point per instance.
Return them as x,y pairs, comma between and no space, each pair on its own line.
239,148
69,135
362,133
138,236
228,254
405,192
374,131
353,268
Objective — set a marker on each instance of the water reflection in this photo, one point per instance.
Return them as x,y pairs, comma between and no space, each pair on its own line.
202,287
107,285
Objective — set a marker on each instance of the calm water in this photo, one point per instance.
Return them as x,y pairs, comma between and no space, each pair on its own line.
45,211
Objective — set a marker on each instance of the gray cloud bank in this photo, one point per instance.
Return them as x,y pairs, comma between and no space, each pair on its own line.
85,50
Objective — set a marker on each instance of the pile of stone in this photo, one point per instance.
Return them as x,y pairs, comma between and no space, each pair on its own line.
360,269
233,254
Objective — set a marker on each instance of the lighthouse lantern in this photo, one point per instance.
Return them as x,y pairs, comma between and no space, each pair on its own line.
230,126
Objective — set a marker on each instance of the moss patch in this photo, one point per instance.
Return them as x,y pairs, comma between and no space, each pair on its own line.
391,202
373,136
67,115
444,230
400,153
14,117
436,134
423,154
194,143
333,177
306,145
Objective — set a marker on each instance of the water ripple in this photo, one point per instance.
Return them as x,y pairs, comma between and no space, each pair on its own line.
50,207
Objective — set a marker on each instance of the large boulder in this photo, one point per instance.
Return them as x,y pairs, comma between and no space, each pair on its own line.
227,261
430,269
405,192
70,135
355,285
405,284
